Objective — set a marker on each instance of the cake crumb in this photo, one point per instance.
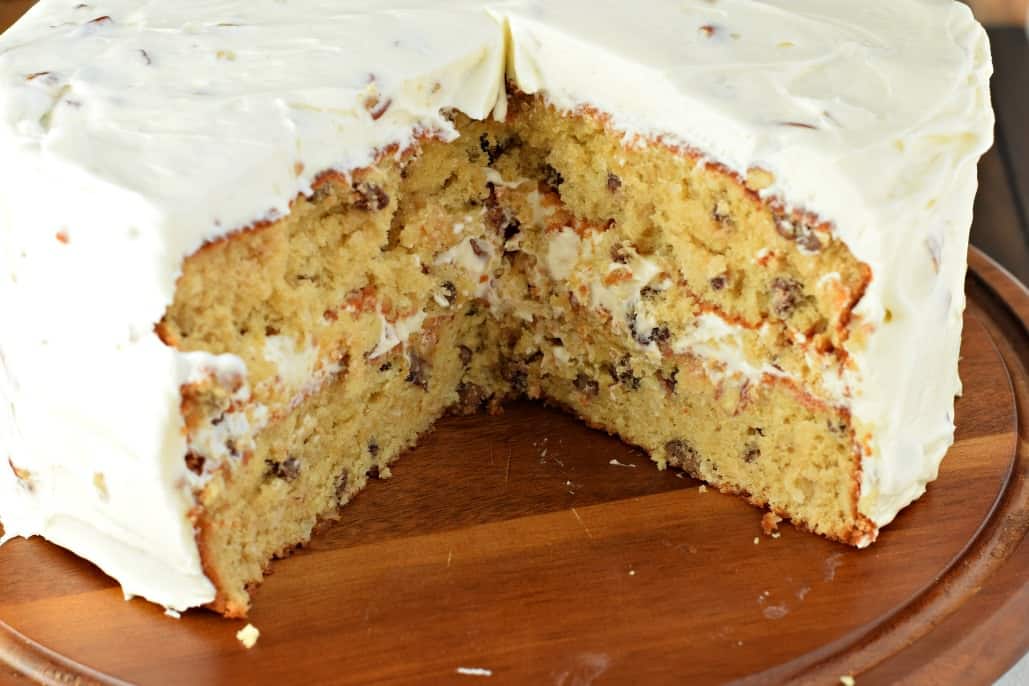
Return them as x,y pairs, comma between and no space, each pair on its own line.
248,636
757,540
616,463
770,523
100,484
701,488
168,612
759,179
847,680
474,671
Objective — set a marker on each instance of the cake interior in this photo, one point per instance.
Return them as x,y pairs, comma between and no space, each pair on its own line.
650,292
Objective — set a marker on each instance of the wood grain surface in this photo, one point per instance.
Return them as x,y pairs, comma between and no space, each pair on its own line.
11,10
511,544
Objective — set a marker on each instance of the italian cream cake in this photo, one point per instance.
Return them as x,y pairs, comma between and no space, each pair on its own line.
251,251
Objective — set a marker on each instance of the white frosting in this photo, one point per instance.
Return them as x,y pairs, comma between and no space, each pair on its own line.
232,435
564,249
393,334
719,345
171,124
296,366
617,291
624,294
474,257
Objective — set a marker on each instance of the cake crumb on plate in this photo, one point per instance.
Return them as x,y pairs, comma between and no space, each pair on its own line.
770,523
248,636
474,671
847,680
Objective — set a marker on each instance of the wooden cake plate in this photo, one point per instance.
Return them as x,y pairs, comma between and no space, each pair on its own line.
514,549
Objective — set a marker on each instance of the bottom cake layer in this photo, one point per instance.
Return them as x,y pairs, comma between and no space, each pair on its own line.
766,440
307,465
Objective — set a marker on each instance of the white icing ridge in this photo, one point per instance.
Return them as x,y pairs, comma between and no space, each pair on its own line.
719,345
301,371
140,137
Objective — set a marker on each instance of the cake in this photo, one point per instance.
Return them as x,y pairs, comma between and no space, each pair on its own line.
252,251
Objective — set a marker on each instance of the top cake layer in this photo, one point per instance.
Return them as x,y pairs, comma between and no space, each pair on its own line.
215,115
131,135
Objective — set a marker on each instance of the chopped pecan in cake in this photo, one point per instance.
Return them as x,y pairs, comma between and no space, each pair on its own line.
680,453
287,470
370,197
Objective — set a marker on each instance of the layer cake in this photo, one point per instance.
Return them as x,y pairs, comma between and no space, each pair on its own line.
252,251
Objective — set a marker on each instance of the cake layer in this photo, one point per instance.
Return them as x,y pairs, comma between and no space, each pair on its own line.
313,461
204,150
767,440
697,266
354,269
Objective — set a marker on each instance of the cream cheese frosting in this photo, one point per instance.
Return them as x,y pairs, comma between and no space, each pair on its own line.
165,126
